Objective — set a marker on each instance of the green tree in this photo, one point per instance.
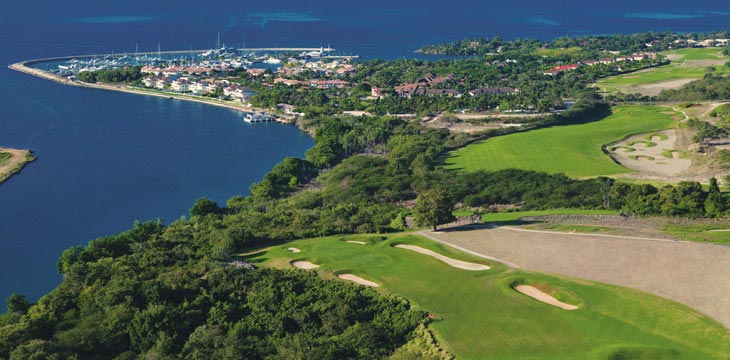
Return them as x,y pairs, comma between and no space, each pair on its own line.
715,202
204,206
17,304
433,208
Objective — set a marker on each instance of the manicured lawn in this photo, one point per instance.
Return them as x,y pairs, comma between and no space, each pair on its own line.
678,69
697,53
479,316
573,149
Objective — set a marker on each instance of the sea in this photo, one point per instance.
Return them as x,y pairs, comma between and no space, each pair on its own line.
107,159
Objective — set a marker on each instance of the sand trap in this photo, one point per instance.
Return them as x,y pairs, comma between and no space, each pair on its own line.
650,160
356,242
357,279
453,262
541,296
294,250
306,265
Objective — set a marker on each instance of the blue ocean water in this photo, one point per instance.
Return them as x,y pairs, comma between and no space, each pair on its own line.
107,159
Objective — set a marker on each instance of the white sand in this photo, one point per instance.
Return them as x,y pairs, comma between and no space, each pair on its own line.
453,262
541,296
357,279
356,242
294,250
306,265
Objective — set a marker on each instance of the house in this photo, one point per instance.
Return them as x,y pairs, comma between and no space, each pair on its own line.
431,79
376,92
442,92
287,108
256,72
328,84
406,90
149,81
162,83
180,85
493,90
287,82
558,69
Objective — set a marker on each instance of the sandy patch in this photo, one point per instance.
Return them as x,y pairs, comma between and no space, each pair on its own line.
306,265
649,159
356,242
453,262
538,295
654,89
357,279
294,250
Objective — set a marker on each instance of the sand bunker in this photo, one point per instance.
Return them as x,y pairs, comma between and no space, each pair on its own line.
661,159
541,296
306,265
356,242
453,262
357,279
294,250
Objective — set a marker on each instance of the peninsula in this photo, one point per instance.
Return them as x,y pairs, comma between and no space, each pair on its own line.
12,161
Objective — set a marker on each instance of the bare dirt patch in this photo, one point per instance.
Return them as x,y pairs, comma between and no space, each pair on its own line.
306,265
453,262
651,160
357,279
538,295
694,274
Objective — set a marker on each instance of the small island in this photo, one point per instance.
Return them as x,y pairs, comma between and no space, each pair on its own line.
12,161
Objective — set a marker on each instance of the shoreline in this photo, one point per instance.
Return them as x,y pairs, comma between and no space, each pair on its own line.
24,68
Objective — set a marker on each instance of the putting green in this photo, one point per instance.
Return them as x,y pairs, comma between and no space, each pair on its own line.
572,149
478,314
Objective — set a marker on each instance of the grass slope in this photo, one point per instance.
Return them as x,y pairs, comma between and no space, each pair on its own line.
573,149
479,316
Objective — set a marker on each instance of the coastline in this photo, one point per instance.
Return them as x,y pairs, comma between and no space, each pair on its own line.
24,68
17,161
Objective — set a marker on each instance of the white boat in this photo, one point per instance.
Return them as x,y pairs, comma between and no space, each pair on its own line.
252,117
272,60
